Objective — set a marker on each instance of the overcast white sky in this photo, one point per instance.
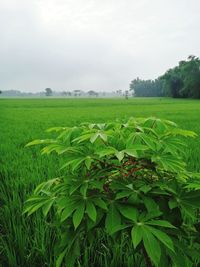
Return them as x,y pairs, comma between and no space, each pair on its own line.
93,44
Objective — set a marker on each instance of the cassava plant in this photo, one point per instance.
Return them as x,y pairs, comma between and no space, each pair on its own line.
122,179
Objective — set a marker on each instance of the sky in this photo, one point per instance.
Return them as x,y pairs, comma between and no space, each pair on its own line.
93,44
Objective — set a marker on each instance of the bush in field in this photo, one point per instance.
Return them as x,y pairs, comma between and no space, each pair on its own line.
123,179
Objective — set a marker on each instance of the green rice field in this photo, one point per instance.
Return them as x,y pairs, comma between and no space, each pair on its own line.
29,242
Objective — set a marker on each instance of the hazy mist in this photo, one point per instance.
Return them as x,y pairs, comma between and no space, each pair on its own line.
91,44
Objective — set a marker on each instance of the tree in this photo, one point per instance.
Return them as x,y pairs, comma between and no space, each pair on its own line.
48,92
119,92
77,93
191,77
126,94
184,79
0,92
92,93
146,88
173,82
66,93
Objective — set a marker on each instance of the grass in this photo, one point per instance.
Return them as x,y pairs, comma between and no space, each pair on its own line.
29,241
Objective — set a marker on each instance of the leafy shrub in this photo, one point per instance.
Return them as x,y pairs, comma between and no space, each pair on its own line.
123,179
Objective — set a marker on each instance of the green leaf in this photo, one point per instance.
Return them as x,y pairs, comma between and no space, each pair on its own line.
61,257
91,224
163,237
67,211
57,129
118,228
74,186
35,205
194,185
91,210
131,152
146,188
41,142
151,214
172,203
94,137
65,201
88,162
148,141
135,147
151,245
119,155
128,212
82,138
103,136
101,126
170,123
172,144
83,190
186,133
53,147
100,203
99,134
161,223
113,218
169,162
69,150
75,163
106,151
123,194
78,215
47,206
150,204
136,234
91,125
46,185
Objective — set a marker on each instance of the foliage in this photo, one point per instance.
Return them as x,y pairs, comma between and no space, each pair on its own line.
92,93
124,179
28,241
184,79
147,88
48,92
173,82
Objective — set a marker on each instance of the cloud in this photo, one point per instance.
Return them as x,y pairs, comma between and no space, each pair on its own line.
98,45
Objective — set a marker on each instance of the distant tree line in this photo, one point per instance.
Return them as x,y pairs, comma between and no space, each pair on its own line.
182,81
147,88
49,92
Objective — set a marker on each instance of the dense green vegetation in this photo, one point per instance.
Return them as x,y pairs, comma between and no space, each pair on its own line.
30,241
122,179
182,81
147,88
